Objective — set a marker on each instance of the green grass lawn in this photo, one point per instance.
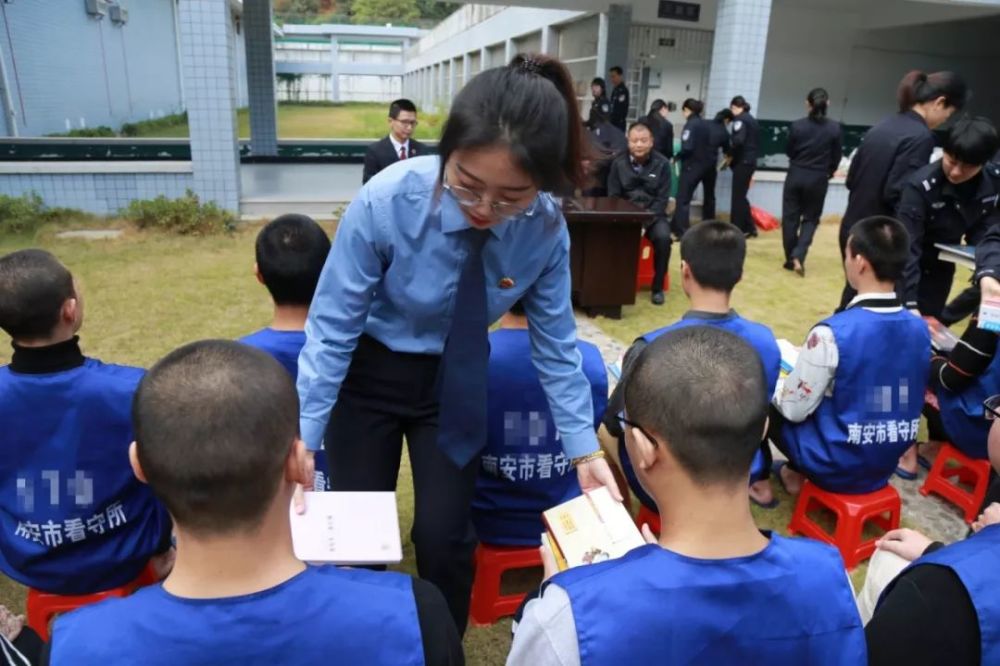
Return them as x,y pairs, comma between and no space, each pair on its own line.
146,294
308,121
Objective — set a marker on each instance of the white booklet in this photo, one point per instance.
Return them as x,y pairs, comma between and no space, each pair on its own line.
348,528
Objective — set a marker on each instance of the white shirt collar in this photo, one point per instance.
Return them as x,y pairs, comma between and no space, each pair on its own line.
873,295
396,145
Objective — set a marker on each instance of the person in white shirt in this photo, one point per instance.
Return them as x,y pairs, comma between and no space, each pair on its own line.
852,403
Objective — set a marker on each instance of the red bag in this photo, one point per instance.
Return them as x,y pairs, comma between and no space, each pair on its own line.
764,220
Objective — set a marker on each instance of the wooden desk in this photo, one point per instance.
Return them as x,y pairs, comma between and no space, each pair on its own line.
604,252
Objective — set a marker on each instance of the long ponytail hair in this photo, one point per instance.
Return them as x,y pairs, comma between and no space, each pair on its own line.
918,87
818,101
530,106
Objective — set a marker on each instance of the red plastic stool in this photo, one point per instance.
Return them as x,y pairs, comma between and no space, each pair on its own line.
43,606
853,512
487,605
649,517
644,278
944,480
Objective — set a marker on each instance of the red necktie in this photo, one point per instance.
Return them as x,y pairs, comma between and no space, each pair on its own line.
402,152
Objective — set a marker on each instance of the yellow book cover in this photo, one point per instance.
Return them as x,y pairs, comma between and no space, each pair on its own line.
590,528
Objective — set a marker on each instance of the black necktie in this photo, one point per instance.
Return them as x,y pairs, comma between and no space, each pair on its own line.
462,419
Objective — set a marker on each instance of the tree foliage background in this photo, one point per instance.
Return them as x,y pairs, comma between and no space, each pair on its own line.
422,13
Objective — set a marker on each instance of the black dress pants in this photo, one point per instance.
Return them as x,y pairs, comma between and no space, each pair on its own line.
388,396
692,173
708,192
658,234
740,208
801,208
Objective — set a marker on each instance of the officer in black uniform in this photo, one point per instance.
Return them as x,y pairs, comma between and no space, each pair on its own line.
658,119
608,142
642,176
697,160
744,163
718,141
619,99
600,102
814,150
944,202
896,147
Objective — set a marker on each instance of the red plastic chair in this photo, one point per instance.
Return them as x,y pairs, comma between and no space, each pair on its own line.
644,278
853,512
649,517
44,606
488,605
947,481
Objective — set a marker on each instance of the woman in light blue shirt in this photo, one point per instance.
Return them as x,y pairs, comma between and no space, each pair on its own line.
430,252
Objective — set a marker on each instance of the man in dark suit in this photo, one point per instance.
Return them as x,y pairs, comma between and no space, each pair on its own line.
397,145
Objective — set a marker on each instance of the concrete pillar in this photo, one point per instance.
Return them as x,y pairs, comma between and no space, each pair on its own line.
613,31
466,69
260,77
550,41
738,52
484,59
509,52
207,41
334,70
442,86
451,80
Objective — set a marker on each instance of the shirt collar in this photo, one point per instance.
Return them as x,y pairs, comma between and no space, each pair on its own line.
59,357
875,296
397,145
708,316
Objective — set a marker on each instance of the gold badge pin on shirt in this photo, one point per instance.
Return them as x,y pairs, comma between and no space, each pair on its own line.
506,283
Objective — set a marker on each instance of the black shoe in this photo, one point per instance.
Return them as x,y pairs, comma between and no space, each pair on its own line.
657,298
787,266
798,268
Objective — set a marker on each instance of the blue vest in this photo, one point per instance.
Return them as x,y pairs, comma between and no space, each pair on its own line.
962,414
523,470
852,442
757,336
790,604
976,562
73,517
324,615
285,347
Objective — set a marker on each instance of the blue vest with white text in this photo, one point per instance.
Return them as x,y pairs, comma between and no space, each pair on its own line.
285,347
788,605
976,562
757,336
73,517
852,442
962,413
523,470
324,615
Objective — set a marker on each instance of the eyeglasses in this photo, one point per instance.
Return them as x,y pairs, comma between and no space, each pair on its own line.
406,123
632,424
466,198
991,408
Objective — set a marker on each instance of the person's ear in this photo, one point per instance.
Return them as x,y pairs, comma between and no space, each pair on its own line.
256,272
298,464
70,311
643,451
685,270
133,458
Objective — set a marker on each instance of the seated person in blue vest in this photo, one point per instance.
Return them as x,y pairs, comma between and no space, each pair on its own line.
713,589
642,176
237,594
398,145
712,257
851,406
73,519
290,253
947,596
523,469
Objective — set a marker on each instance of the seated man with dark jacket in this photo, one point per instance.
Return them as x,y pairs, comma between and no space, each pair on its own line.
397,145
643,177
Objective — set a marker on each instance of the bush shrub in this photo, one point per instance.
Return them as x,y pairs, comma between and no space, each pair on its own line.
186,215
88,132
21,214
145,127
